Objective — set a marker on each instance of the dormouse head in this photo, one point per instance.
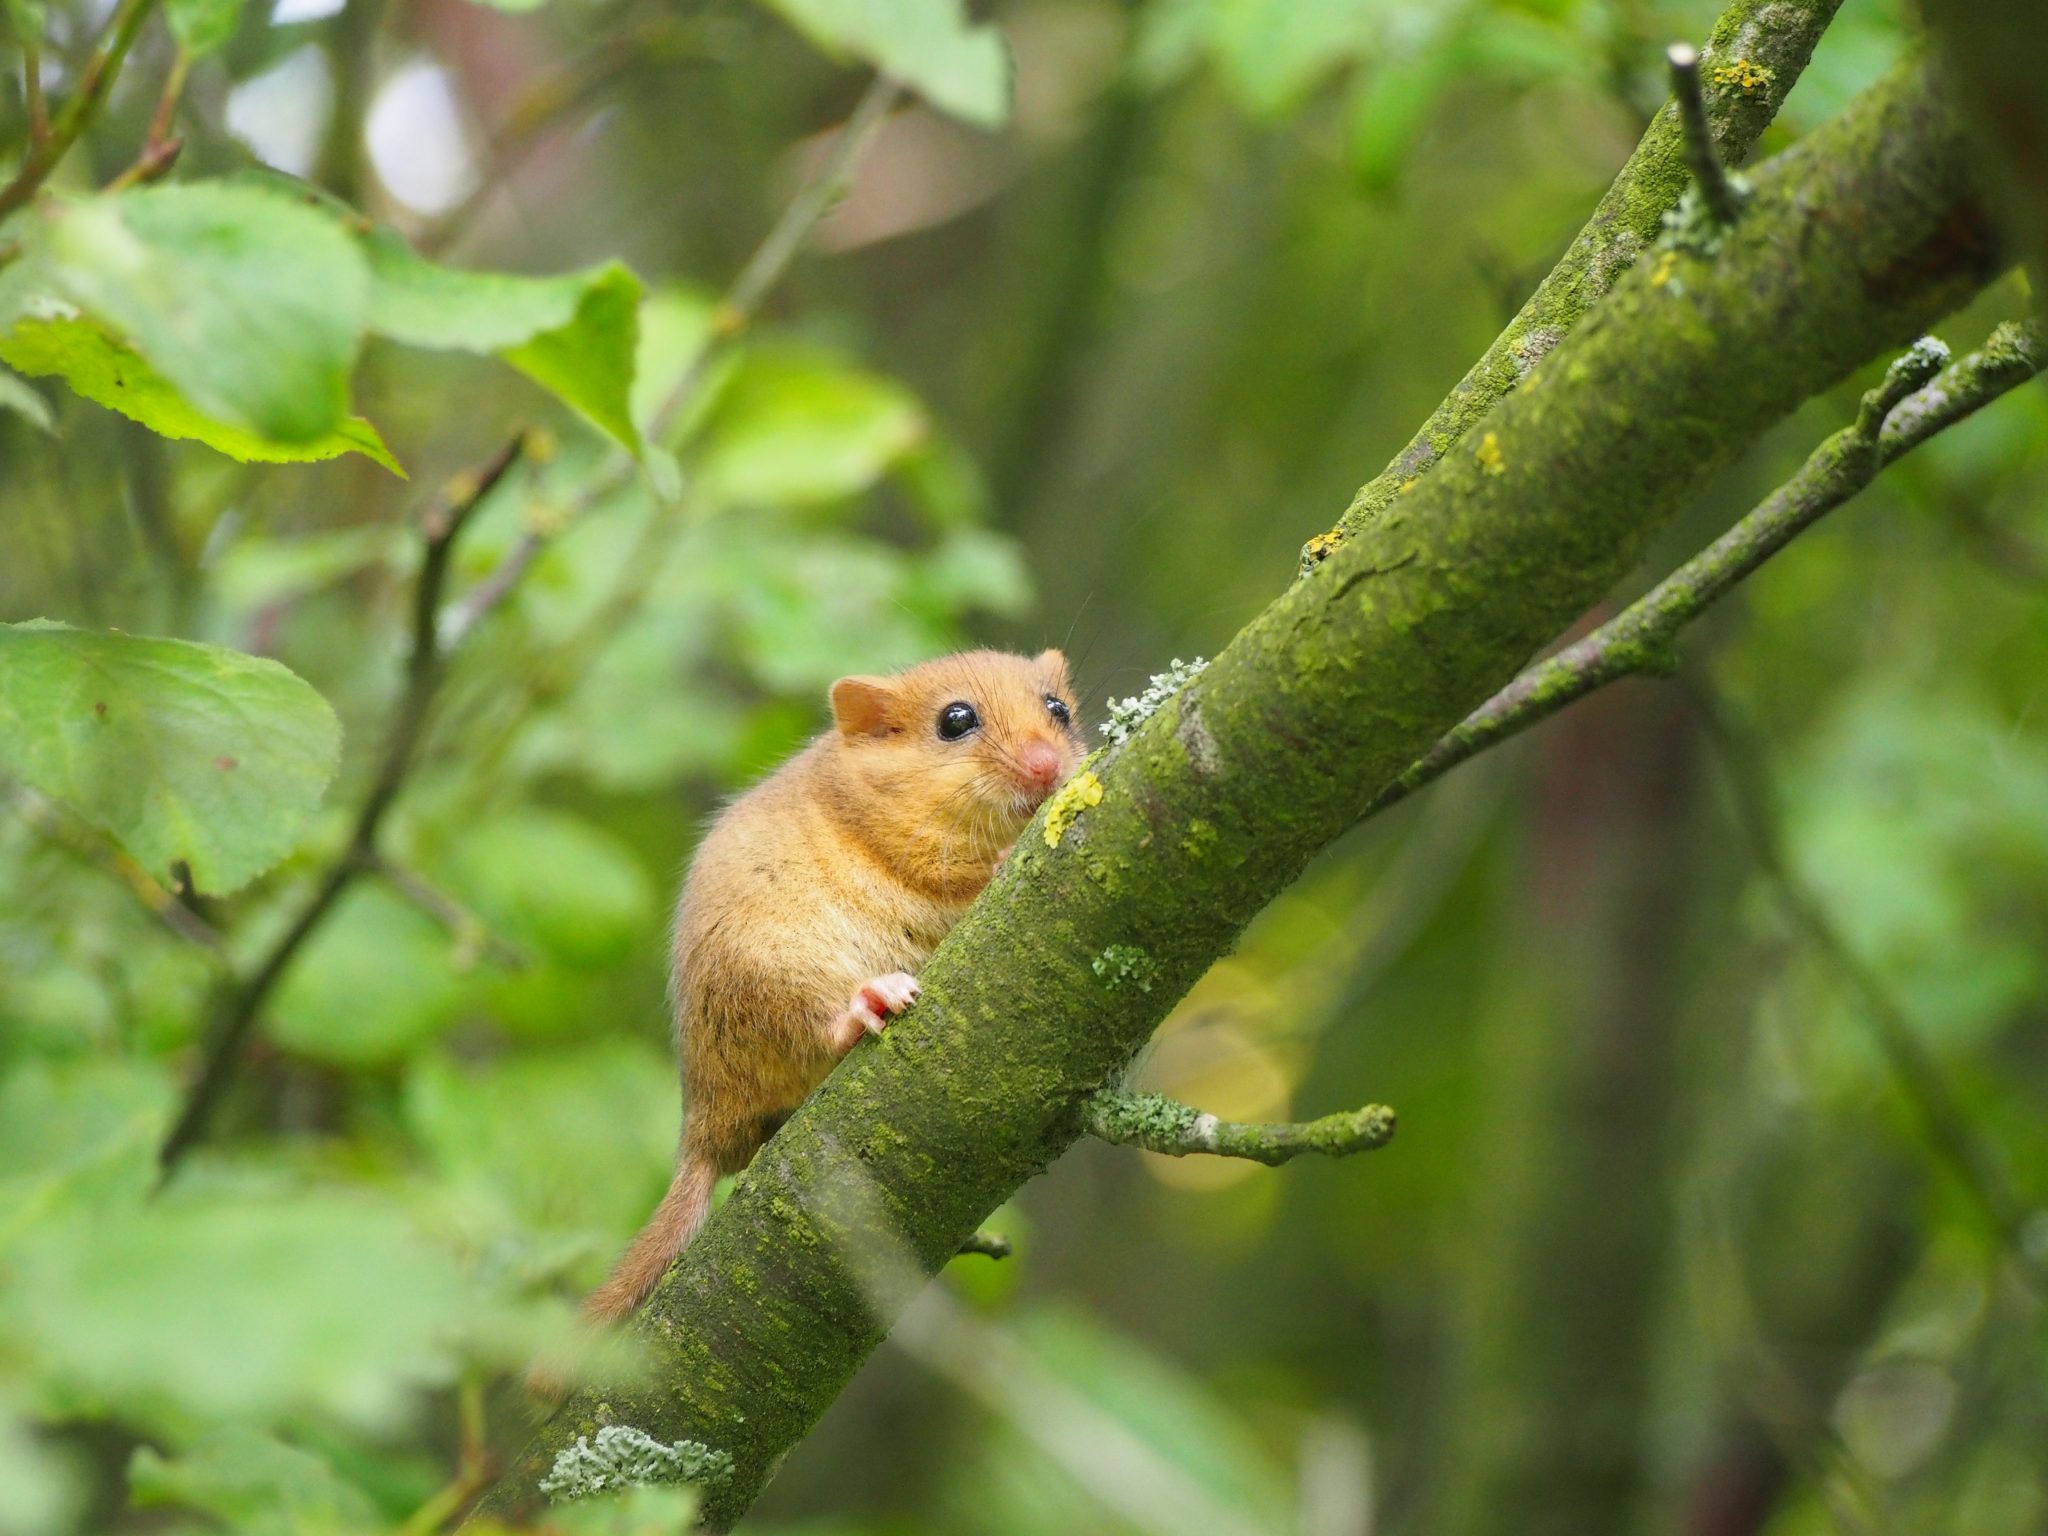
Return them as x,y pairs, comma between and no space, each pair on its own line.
966,747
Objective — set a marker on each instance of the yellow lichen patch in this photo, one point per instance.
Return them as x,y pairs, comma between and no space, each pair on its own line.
1490,458
1407,485
1667,264
1743,75
1074,797
1322,546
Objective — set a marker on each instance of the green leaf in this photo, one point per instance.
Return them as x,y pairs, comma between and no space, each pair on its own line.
78,1138
109,372
574,335
256,1482
230,1304
655,1510
929,45
375,982
595,905
186,753
202,26
796,426
16,396
249,304
572,1140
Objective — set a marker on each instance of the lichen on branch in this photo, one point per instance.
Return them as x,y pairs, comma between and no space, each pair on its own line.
1156,1123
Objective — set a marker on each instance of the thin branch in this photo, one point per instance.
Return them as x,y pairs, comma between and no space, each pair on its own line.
160,148
1946,1125
990,1245
242,1004
1894,418
94,82
735,312
65,832
1159,1124
473,937
1700,155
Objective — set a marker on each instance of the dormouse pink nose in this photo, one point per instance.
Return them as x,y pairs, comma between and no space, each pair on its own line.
1039,764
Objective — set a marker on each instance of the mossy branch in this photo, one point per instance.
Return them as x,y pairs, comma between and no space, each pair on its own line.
1851,243
1918,398
1155,1123
1755,54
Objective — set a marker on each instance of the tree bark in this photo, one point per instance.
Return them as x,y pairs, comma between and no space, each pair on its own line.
1852,242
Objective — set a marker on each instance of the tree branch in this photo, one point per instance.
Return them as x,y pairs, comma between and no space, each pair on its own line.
1895,418
95,80
1155,1123
1852,242
1773,40
242,1003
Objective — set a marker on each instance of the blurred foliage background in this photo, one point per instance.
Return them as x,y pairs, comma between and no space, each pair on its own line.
1662,1244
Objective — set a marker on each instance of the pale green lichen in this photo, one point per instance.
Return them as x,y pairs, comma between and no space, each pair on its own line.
625,1457
1126,965
1075,796
1127,716
1142,1119
1691,226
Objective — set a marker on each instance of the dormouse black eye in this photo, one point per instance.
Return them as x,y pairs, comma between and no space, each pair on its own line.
956,720
1057,708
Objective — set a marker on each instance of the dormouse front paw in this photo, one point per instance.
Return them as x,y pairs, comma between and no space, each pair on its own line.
881,998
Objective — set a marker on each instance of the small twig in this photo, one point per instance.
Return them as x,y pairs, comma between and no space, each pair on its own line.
1159,1124
241,1005
1894,418
56,827
763,270
1700,156
32,89
95,80
161,147
990,1245
474,1467
473,937
1919,1076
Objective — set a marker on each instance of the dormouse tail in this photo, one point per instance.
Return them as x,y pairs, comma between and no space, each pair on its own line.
667,1233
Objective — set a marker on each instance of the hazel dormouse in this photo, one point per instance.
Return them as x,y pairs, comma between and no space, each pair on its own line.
816,896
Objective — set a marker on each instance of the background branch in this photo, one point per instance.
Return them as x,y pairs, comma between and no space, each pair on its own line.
1946,1124
94,82
242,1005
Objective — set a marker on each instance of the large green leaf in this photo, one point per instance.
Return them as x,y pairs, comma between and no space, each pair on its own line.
595,905
795,425
109,372
579,1139
373,983
574,335
186,753
77,1138
233,1304
248,303
256,1483
929,45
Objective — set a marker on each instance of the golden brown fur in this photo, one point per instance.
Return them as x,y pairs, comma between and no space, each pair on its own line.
817,892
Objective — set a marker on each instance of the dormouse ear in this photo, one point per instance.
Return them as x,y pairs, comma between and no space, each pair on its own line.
1054,662
863,706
